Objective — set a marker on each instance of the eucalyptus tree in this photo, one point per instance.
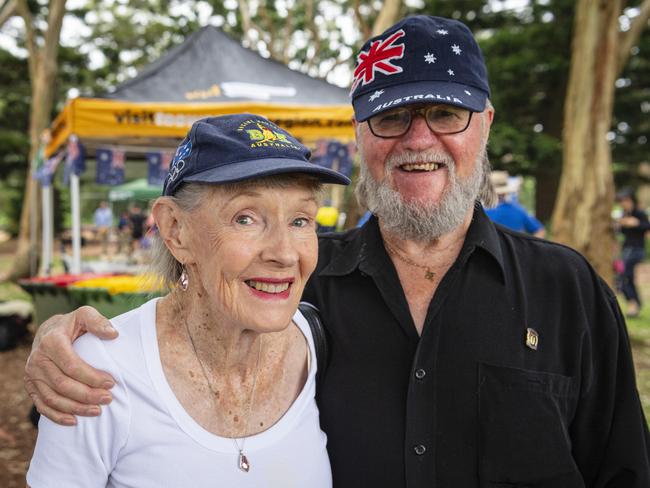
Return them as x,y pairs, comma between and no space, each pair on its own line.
601,49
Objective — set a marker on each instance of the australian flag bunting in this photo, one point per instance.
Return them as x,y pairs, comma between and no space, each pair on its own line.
75,159
110,166
334,155
158,166
45,173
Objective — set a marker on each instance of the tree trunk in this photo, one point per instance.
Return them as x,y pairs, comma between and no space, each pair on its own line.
387,16
581,217
43,71
582,213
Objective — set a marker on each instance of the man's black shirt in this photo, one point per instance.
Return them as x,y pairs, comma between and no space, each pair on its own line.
470,403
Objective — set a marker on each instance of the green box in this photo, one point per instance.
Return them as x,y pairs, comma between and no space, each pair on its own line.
49,299
109,305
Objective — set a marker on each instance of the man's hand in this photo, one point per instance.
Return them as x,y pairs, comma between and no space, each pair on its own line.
59,383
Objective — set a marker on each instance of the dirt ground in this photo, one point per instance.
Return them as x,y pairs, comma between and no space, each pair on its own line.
17,434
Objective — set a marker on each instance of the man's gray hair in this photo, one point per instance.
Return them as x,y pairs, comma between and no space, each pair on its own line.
487,194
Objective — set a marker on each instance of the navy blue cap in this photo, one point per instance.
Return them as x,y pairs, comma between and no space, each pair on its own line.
240,147
421,59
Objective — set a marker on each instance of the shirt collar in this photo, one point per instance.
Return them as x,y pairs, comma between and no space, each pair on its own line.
366,250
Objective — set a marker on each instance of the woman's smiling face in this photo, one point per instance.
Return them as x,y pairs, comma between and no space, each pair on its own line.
254,248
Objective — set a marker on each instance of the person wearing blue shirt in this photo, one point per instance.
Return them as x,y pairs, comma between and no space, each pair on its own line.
103,219
508,212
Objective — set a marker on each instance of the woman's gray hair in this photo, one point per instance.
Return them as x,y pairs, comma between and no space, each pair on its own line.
191,195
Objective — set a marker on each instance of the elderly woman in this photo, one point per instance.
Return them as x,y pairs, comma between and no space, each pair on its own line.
215,381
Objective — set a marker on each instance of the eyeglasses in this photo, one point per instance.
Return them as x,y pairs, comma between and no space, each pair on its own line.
441,119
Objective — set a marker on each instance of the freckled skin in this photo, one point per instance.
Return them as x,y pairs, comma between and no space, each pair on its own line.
261,233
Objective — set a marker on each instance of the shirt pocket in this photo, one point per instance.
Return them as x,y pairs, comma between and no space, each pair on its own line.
524,429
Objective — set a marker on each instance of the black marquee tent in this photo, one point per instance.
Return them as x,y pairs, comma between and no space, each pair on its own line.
208,74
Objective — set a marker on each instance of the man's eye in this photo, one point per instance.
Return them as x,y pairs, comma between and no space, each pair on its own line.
443,114
389,118
244,220
392,117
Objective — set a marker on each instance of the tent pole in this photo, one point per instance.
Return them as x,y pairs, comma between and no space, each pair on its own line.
76,224
46,197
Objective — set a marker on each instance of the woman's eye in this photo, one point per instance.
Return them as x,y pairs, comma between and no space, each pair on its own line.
244,220
301,222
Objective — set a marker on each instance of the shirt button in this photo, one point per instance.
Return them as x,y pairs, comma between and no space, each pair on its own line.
420,449
420,373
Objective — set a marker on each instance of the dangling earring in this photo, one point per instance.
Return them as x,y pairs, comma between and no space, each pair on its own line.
184,280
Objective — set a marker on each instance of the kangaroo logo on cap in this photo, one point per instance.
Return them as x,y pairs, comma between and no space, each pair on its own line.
264,135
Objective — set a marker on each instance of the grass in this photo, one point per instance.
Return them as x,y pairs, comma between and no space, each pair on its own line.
639,330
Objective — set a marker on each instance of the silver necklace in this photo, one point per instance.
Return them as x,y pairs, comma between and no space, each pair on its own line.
242,460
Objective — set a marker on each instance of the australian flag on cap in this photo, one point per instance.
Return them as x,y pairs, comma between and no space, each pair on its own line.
421,59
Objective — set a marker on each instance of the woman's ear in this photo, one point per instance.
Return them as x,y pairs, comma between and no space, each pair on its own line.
173,229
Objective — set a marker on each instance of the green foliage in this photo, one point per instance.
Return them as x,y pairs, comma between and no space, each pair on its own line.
631,123
14,141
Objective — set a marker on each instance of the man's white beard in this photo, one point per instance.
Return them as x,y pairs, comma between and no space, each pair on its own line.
422,220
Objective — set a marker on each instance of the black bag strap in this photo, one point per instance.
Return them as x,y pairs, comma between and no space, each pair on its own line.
310,312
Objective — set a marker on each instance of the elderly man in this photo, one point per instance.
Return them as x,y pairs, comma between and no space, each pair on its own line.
461,355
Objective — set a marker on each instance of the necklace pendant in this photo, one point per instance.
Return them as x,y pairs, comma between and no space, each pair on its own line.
429,275
243,462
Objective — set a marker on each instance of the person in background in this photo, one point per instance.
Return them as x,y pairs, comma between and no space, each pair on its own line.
364,218
103,219
508,212
327,217
633,224
124,233
137,220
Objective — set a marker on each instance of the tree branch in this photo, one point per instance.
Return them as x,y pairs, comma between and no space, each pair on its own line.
310,15
54,24
387,16
363,25
628,39
7,10
30,37
245,17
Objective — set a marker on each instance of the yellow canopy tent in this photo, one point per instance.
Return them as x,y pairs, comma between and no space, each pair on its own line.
209,74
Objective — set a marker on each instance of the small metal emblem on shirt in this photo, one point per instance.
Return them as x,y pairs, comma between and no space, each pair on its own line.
532,339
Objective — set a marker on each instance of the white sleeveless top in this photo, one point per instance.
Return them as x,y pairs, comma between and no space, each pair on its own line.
145,438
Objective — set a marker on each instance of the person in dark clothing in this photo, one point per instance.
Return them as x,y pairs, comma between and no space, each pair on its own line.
124,233
633,224
461,354
136,220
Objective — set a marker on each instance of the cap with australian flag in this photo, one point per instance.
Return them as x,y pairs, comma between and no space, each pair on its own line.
421,59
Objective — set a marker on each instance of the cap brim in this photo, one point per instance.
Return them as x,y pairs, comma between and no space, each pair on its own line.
372,103
257,168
